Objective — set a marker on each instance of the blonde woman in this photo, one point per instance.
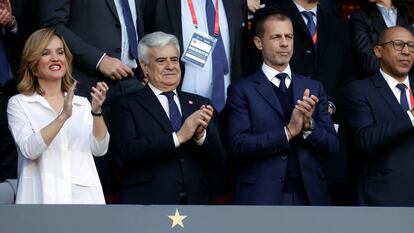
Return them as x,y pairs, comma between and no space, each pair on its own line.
56,132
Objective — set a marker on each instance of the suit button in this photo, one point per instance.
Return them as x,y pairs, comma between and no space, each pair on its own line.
308,52
282,179
181,160
275,151
118,50
284,157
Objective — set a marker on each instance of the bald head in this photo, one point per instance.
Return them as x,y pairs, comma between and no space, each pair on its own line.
384,35
395,52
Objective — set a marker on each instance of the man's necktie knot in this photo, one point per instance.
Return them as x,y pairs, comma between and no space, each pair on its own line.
282,78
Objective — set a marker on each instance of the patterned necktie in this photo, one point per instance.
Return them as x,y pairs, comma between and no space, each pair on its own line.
175,115
311,24
4,65
219,59
403,96
131,31
282,85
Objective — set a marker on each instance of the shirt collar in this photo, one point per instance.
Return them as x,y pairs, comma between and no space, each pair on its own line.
300,8
157,91
35,97
392,82
385,10
271,73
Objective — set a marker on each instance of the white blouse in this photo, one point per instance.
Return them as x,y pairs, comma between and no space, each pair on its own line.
63,172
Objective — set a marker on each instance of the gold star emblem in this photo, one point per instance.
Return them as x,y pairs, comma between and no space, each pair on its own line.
177,219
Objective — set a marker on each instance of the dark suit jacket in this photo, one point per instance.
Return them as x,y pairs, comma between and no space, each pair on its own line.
153,170
365,29
383,143
165,15
91,28
27,16
258,142
331,61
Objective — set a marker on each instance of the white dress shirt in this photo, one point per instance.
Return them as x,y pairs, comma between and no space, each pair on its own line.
200,80
314,10
392,83
125,58
164,103
63,172
389,15
270,74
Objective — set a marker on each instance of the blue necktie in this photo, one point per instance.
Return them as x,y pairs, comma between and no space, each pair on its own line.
131,31
4,64
219,59
403,97
311,25
282,85
175,115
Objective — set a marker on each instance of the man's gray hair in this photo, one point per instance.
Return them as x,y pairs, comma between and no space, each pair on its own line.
155,40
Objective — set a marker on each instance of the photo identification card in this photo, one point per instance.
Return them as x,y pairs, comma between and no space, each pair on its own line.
199,49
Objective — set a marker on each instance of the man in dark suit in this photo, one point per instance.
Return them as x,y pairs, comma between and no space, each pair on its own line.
103,37
98,37
166,139
378,111
8,155
279,128
174,16
324,56
367,23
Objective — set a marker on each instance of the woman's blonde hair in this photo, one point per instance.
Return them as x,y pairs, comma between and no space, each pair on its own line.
32,51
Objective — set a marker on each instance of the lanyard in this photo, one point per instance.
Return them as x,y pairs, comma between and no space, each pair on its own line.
411,99
194,17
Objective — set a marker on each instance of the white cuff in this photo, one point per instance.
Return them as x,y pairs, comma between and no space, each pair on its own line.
100,60
175,138
200,141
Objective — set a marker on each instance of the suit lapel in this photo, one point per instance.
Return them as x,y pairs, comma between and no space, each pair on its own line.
174,6
188,105
140,19
265,89
297,88
150,102
112,7
387,94
231,24
401,21
323,29
297,19
379,23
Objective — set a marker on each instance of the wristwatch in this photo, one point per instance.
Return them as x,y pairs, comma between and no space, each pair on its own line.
13,25
311,125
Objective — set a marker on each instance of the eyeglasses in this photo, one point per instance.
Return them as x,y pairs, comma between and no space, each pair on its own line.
399,45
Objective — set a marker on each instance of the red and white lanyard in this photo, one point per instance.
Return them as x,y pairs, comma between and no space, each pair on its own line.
216,18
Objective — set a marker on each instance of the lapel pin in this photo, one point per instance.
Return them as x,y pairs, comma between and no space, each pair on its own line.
190,102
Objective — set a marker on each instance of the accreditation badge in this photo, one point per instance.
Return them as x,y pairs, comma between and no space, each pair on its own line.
199,49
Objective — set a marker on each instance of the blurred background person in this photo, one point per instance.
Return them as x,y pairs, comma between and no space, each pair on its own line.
379,115
55,131
369,21
8,29
225,62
